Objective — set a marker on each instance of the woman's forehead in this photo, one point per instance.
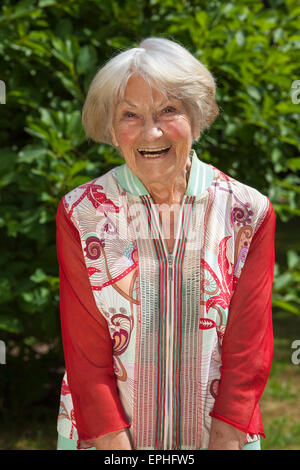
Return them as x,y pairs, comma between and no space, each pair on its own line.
154,97
143,93
138,86
136,102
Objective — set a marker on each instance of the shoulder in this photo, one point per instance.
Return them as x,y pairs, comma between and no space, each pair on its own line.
93,198
247,205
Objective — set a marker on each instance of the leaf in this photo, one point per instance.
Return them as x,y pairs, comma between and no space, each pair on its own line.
31,153
6,290
74,129
62,50
19,12
36,299
203,20
10,324
276,155
286,306
293,259
240,38
254,92
78,167
7,160
38,276
47,3
293,163
283,281
288,108
38,131
69,84
86,60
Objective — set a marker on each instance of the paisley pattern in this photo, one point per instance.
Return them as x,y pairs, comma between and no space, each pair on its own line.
93,247
244,237
219,299
241,214
120,326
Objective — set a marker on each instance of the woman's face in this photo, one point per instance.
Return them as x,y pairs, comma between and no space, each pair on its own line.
154,133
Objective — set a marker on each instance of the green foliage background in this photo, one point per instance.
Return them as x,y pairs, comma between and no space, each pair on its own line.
49,52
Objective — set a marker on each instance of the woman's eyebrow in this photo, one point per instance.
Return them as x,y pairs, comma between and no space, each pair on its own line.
127,102
168,100
165,101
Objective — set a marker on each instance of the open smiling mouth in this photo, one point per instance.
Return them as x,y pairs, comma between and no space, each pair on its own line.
154,153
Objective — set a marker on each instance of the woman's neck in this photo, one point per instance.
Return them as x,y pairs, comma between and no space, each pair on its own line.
170,192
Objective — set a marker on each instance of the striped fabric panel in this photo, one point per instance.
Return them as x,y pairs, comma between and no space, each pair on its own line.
130,181
178,316
161,324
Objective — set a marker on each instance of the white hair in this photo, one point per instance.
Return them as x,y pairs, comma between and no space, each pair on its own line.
167,66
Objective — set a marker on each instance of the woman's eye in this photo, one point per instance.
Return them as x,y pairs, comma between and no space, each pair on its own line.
169,109
128,114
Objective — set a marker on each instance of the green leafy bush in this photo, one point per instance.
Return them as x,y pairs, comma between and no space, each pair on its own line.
49,52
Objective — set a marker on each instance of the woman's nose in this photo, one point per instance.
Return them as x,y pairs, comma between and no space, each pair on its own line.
151,130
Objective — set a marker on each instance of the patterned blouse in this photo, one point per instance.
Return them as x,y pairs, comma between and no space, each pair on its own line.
161,342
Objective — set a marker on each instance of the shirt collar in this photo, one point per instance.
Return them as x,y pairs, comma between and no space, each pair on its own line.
201,177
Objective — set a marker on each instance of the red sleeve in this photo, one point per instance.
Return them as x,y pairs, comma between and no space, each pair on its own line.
247,347
86,341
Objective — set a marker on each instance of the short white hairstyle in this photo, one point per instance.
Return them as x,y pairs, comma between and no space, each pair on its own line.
167,66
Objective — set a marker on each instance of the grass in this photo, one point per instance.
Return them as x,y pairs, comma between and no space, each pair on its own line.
34,435
280,400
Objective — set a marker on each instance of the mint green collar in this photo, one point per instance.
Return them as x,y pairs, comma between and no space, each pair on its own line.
201,177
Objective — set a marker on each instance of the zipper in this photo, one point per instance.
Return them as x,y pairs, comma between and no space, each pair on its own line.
169,362
170,266
170,348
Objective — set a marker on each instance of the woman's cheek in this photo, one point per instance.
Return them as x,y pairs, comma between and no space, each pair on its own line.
126,136
179,130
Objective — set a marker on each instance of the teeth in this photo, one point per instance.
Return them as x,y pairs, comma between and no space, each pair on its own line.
153,150
152,153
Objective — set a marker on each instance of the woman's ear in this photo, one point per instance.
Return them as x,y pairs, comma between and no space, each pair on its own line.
196,131
113,137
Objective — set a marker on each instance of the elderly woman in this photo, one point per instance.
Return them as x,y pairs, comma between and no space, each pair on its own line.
166,269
